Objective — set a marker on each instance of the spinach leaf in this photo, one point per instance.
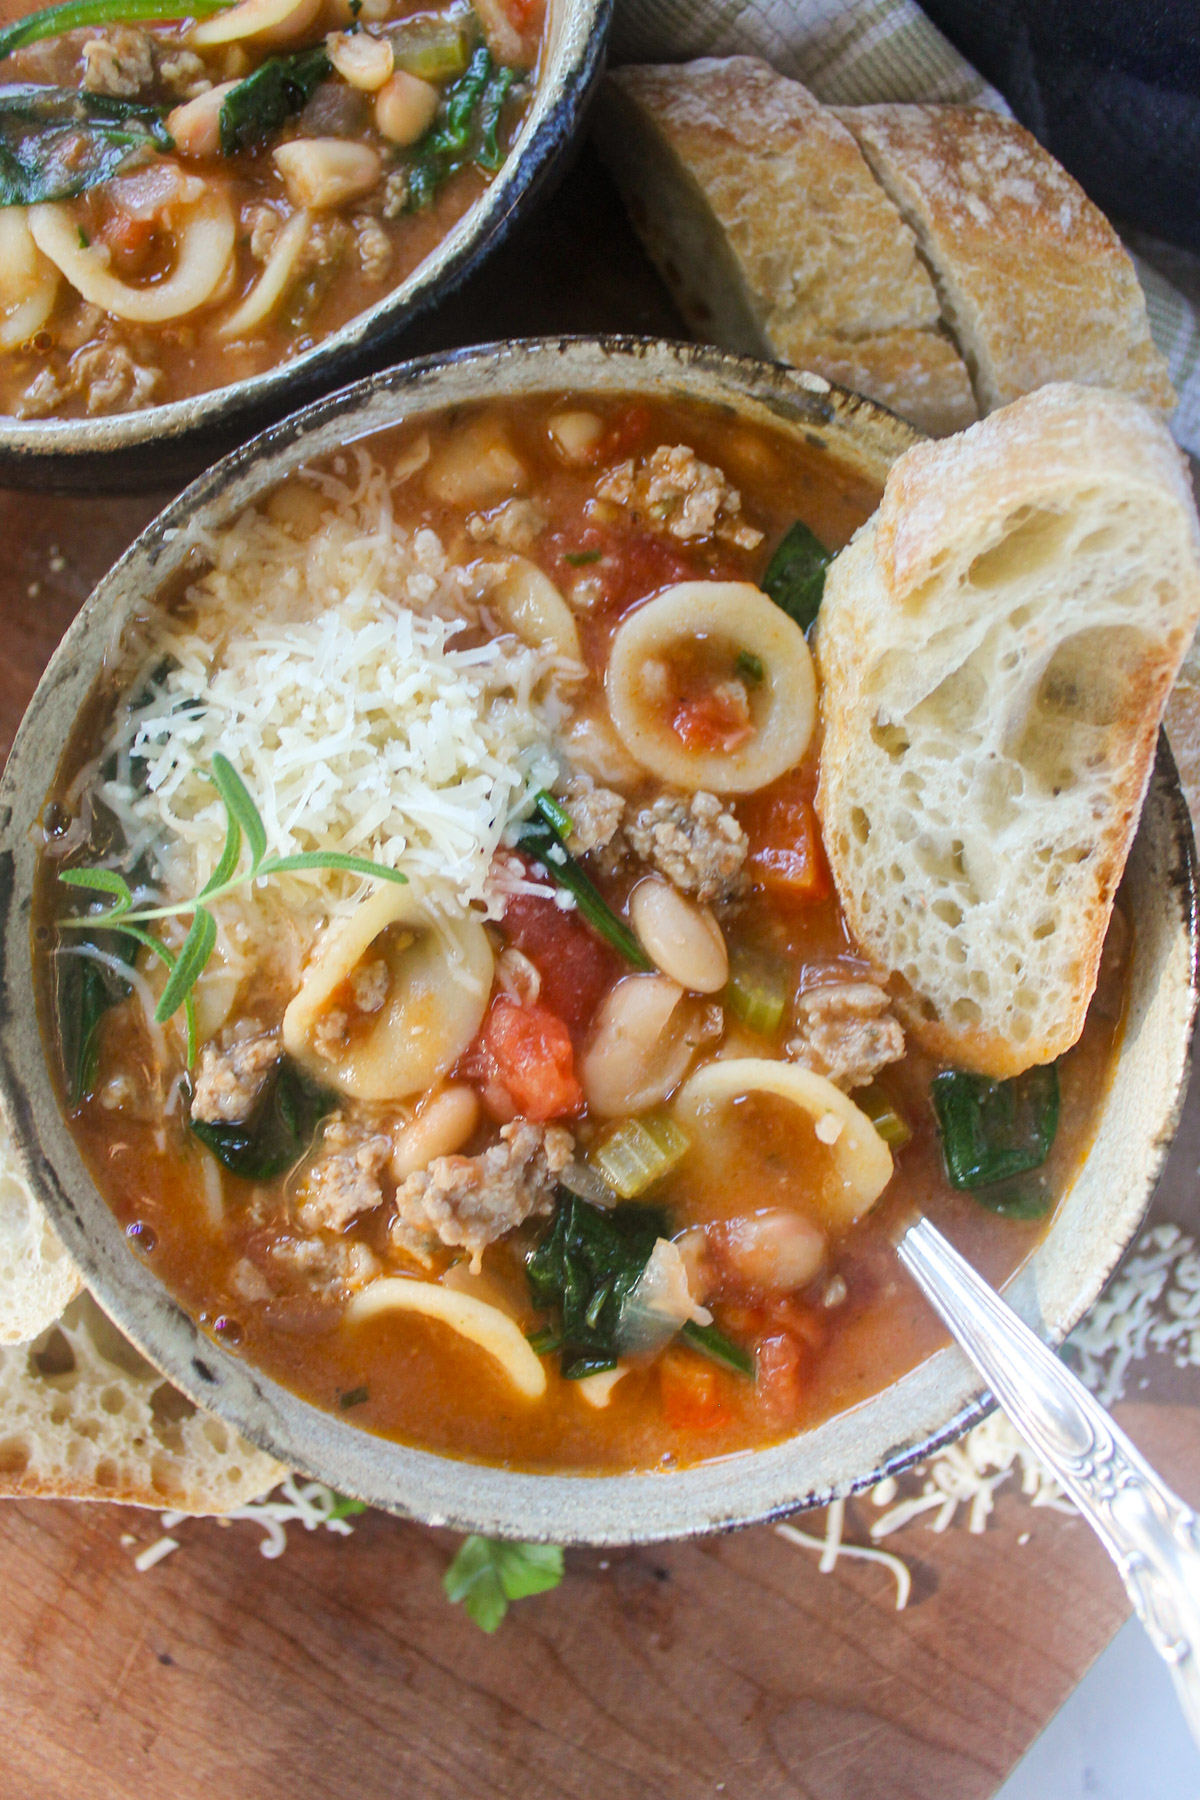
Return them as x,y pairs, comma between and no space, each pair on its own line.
84,991
489,155
993,1130
465,129
583,1270
278,1132
487,1573
56,142
279,87
51,21
795,577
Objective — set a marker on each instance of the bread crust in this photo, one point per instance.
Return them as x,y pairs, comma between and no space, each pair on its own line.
773,236
996,647
83,1416
1035,284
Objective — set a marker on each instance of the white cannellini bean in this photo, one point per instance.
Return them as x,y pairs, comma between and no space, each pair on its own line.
635,1058
679,936
775,1251
405,107
442,1125
321,173
575,434
476,466
196,125
365,62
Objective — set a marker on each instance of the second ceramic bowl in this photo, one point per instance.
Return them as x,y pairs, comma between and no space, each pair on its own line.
936,1401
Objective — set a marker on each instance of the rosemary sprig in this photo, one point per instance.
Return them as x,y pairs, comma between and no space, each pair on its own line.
243,824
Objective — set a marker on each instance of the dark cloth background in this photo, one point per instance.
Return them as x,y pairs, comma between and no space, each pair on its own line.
1110,87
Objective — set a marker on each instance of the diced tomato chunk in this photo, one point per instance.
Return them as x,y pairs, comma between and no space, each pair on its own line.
691,1392
716,720
628,429
527,1050
786,857
577,968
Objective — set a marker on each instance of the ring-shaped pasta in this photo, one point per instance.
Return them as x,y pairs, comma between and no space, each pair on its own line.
270,21
28,280
274,281
860,1163
205,240
439,979
484,1325
782,701
528,604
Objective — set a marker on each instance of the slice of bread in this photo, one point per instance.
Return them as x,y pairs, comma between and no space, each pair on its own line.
84,1416
37,1278
1035,284
996,646
772,234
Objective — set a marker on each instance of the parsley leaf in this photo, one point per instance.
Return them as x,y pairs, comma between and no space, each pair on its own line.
488,1572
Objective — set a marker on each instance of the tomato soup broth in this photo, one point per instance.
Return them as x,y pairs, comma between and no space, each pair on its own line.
614,1075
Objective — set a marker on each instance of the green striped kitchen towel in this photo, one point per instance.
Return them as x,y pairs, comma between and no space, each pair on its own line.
853,52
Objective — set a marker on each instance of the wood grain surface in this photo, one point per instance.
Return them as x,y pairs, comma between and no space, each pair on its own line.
725,1667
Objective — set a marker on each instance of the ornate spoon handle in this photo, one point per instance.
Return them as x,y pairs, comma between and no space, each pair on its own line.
1153,1538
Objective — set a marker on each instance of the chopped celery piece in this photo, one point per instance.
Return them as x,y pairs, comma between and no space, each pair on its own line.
993,1130
888,1121
435,46
635,1154
757,991
711,1341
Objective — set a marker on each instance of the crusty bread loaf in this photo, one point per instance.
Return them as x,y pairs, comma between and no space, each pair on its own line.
83,1416
37,1278
996,646
1035,284
772,234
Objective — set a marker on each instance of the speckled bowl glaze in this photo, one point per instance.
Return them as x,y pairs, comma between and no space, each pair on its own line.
164,444
1092,1229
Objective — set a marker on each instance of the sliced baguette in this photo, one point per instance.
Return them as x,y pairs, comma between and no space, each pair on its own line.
772,234
37,1278
83,1416
1035,284
996,646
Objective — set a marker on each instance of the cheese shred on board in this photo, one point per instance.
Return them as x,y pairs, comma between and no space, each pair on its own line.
357,682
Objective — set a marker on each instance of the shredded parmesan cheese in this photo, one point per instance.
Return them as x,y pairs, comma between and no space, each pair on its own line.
831,1547
1154,1304
358,684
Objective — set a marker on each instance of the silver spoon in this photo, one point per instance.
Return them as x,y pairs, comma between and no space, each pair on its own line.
1153,1538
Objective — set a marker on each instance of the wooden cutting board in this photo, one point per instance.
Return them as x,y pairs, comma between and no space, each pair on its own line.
725,1667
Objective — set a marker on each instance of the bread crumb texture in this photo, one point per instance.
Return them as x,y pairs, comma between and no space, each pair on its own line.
773,235
84,1416
37,1278
996,647
1035,285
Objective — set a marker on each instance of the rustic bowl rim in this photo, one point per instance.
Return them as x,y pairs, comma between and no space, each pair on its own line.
880,1436
554,120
